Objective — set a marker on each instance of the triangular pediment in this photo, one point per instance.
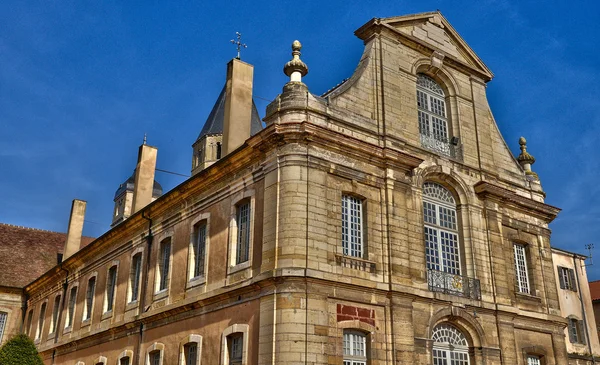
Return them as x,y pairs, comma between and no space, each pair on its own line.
435,31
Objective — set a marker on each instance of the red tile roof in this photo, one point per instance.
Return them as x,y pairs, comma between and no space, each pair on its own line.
595,289
27,253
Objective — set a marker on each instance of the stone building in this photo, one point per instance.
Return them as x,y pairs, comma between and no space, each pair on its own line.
576,305
384,222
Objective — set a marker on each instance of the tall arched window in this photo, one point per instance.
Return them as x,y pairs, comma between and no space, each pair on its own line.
441,229
450,347
432,108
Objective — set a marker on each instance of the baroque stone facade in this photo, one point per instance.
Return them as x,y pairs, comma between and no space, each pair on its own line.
385,222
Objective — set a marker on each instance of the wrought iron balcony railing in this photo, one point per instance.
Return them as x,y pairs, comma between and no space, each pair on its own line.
444,282
451,148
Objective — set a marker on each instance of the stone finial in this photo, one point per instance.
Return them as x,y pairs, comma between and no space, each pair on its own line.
295,68
525,159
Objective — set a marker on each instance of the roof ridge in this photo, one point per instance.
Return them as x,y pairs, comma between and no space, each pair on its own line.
38,229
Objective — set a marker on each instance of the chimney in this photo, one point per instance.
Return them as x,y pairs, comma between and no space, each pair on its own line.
144,177
238,105
75,228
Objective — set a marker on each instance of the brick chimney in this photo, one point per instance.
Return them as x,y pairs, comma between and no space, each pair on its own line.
75,228
238,105
144,177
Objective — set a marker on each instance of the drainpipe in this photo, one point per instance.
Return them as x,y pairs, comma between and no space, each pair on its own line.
585,323
144,284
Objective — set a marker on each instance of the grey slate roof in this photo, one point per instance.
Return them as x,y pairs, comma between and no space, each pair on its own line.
214,122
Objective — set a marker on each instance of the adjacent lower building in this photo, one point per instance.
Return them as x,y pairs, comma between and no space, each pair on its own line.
384,222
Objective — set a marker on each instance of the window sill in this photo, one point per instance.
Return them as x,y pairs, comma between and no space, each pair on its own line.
194,282
37,341
107,315
86,322
356,263
132,305
238,267
67,330
528,297
161,294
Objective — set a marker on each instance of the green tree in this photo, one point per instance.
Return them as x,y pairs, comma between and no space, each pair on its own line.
19,350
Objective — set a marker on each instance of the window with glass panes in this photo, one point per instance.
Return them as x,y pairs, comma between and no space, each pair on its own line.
575,328
155,358
243,232
440,229
111,285
352,226
450,346
124,361
89,298
533,360
55,311
521,272
136,270
431,105
163,264
191,353
354,347
3,320
236,348
41,319
198,250
71,307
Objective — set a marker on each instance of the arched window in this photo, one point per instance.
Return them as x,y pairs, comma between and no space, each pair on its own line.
441,229
431,103
450,347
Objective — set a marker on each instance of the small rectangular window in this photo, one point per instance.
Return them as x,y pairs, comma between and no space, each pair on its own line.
155,358
236,348
576,331
124,361
3,320
352,226
164,262
89,298
111,284
41,319
566,278
136,269
71,308
191,354
199,249
55,311
533,360
522,275
243,233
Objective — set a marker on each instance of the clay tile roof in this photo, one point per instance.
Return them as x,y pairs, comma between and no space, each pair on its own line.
595,289
27,253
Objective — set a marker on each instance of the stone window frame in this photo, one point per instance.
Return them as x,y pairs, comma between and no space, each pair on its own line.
4,324
86,321
56,308
156,346
363,221
100,360
130,303
69,323
250,196
106,313
525,247
167,235
192,338
234,328
125,354
358,326
579,328
41,320
194,281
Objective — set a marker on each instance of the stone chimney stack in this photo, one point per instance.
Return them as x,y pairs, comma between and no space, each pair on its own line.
238,105
144,176
75,228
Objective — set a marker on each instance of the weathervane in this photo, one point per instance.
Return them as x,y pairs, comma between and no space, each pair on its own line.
239,43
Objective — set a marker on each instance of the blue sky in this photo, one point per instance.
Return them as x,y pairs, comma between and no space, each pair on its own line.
82,81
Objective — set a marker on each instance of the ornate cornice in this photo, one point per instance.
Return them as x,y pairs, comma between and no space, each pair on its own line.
508,197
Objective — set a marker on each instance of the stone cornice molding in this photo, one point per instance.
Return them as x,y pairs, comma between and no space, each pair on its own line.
509,198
